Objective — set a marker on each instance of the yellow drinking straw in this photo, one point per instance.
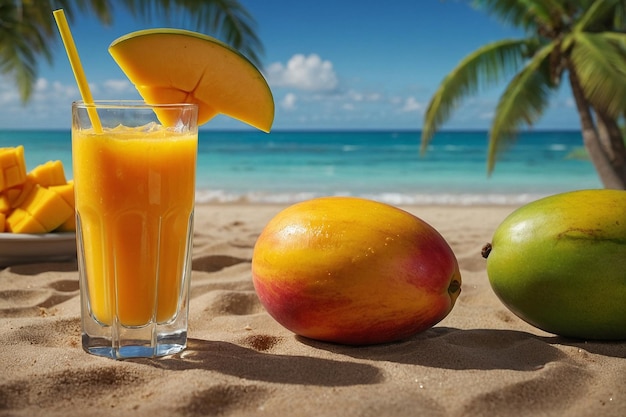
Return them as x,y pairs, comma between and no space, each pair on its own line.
77,68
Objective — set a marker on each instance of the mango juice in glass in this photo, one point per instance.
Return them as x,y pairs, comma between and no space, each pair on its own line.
134,179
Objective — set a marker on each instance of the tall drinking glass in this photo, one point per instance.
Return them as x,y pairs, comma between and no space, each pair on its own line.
134,181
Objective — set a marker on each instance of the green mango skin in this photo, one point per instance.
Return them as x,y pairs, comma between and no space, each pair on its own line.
559,263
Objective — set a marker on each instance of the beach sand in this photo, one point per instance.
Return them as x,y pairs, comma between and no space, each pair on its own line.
479,361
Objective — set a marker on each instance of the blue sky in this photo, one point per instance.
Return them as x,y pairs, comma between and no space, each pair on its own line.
331,64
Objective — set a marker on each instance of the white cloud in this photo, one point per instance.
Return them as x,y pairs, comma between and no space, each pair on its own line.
364,97
396,100
309,73
62,90
41,84
49,104
411,105
8,97
289,101
118,86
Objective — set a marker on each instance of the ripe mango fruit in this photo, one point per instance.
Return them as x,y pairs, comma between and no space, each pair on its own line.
559,263
354,271
39,201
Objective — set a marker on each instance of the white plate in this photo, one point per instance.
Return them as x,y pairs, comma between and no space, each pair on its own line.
19,248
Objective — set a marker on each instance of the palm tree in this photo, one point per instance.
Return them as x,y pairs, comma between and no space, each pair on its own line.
28,29
581,41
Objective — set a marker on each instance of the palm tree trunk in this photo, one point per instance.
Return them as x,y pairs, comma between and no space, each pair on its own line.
612,142
609,175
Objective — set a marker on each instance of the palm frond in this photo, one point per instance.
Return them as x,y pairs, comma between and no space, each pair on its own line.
238,27
485,67
528,14
23,37
618,38
27,28
225,19
19,59
599,62
597,15
619,17
523,101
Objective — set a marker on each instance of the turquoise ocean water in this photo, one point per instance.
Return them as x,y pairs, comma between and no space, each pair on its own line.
285,167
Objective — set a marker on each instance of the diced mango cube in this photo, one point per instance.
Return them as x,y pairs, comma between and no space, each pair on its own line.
47,207
39,201
12,167
68,226
66,191
49,173
21,221
17,195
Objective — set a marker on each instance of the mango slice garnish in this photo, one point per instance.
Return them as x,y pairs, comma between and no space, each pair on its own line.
173,66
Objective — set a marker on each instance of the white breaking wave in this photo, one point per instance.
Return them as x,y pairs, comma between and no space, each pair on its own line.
398,199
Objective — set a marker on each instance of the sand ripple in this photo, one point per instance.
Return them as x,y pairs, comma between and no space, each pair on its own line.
480,361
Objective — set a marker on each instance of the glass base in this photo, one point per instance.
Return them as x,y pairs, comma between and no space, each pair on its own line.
115,339
166,344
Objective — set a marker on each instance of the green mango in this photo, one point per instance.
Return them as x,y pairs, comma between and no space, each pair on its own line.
559,263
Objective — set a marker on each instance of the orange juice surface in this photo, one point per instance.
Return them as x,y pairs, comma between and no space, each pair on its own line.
135,195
